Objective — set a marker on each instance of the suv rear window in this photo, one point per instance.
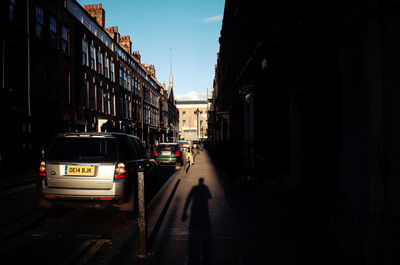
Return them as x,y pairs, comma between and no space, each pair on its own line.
172,147
83,150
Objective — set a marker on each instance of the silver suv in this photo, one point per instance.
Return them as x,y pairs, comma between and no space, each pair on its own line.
94,169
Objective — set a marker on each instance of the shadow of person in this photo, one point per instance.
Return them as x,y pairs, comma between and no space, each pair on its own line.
200,242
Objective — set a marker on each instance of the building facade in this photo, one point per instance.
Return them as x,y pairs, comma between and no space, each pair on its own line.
193,123
306,93
62,70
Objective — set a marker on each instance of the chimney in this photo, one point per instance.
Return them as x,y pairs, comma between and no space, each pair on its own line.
97,12
126,43
150,69
113,32
136,55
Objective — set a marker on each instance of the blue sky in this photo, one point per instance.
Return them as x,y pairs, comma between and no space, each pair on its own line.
190,27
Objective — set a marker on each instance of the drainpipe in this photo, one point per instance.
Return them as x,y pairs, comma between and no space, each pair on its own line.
28,67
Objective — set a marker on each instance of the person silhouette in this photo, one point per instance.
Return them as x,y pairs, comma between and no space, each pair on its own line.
199,225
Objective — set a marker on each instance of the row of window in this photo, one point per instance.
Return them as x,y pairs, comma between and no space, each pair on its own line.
79,14
103,100
99,99
194,124
151,97
97,61
151,116
194,112
96,97
58,33
101,63
11,5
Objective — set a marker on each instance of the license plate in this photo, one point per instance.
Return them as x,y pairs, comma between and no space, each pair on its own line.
166,153
79,170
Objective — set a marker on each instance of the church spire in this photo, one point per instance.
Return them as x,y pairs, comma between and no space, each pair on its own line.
171,77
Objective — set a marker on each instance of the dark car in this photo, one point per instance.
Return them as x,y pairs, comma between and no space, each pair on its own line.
94,169
168,154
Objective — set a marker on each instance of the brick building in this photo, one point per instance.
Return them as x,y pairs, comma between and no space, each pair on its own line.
62,70
193,123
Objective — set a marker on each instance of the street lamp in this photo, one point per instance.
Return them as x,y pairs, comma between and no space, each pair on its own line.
198,112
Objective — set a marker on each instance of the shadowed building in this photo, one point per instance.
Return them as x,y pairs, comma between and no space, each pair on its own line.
305,95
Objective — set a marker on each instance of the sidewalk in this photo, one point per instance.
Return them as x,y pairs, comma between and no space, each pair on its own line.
221,227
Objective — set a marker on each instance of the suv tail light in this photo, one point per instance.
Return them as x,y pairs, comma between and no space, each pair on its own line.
177,153
155,153
42,169
120,171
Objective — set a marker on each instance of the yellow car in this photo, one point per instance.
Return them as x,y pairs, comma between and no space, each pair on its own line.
189,155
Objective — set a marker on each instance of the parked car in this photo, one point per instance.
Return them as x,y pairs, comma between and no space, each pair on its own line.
186,148
189,154
168,154
183,144
94,169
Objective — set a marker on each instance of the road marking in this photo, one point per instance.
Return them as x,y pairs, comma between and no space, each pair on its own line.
20,224
17,187
74,255
18,218
92,251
